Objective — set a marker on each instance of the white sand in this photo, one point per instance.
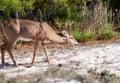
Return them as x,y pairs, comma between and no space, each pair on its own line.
79,59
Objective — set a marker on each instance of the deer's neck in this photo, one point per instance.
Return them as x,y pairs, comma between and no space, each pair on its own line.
59,39
52,35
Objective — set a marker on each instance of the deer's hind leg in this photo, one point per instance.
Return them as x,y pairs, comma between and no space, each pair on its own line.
3,48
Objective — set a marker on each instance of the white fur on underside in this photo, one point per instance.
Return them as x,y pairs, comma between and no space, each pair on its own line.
25,39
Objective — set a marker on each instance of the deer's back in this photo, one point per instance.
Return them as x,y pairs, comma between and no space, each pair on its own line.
23,29
29,29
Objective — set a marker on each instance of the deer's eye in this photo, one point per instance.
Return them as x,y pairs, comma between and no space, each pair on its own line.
69,33
71,37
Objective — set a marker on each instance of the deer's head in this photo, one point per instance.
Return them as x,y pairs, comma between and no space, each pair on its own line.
69,37
67,33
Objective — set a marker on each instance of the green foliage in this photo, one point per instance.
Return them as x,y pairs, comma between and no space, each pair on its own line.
62,11
106,32
7,7
76,34
41,10
10,4
88,35
83,36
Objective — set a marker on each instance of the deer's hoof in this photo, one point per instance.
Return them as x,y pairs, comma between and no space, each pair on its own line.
3,67
16,65
32,64
49,62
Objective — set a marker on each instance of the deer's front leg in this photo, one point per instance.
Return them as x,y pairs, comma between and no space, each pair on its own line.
37,43
9,46
11,56
2,55
46,52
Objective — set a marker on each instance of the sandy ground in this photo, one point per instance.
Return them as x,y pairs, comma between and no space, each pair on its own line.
78,58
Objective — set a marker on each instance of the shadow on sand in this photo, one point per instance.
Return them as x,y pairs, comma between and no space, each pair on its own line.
7,65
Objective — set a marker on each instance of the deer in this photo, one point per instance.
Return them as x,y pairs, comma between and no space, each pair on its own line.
14,30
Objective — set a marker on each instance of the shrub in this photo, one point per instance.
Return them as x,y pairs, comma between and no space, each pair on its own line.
107,77
77,35
88,35
106,32
83,36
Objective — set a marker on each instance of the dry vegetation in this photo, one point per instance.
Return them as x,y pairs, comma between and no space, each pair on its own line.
96,24
55,74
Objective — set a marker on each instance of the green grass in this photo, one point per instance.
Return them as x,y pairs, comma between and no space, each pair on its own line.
83,36
76,34
106,32
103,33
88,35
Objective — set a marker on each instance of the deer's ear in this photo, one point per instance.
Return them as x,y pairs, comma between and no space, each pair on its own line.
68,27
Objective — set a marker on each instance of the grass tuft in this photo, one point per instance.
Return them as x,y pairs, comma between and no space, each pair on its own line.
83,36
106,32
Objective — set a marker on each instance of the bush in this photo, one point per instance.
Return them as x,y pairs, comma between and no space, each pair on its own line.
88,35
76,34
106,32
83,36
106,76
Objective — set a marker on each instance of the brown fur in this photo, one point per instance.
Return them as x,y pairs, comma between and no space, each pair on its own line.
14,29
